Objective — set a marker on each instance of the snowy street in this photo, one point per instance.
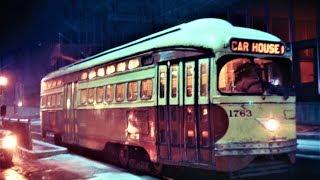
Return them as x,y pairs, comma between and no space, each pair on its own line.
65,166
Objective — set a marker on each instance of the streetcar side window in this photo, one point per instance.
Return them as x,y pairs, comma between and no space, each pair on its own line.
132,93
120,89
49,101
83,96
84,76
146,89
110,69
100,72
133,63
121,66
90,95
43,100
109,93
58,99
99,94
53,98
92,74
203,80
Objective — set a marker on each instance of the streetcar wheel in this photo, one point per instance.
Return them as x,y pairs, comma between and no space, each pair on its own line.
156,168
124,157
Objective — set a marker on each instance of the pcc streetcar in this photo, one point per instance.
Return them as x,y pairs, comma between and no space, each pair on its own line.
203,94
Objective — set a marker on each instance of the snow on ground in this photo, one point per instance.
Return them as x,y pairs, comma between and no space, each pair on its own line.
89,169
309,144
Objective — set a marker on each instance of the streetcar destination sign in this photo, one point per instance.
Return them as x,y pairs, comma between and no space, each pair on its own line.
256,46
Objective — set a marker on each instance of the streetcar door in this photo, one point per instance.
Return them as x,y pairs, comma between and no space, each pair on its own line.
196,124
70,122
169,121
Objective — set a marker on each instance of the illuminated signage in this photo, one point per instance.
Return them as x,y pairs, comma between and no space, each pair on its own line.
257,47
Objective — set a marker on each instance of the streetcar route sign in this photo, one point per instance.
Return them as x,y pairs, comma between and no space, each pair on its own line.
256,46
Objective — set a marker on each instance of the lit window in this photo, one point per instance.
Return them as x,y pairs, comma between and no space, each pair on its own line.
90,95
162,83
53,98
54,84
174,80
189,80
48,101
99,94
84,76
133,63
100,72
146,89
203,80
121,66
306,71
59,82
92,74
49,84
132,91
120,92
83,96
109,93
110,69
59,99
43,100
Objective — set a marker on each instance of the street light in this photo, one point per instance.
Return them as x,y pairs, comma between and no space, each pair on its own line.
3,81
19,103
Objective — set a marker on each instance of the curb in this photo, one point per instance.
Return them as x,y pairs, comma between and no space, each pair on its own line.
37,154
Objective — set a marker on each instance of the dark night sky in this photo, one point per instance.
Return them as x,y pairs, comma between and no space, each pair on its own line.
24,23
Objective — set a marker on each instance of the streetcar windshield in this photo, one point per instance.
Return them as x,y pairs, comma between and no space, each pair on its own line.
255,76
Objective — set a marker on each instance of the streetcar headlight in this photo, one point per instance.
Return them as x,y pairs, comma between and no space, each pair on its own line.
271,124
9,142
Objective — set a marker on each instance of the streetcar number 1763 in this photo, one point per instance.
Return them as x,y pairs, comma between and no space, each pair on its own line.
240,113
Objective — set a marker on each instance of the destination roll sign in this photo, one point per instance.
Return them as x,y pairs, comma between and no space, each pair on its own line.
257,47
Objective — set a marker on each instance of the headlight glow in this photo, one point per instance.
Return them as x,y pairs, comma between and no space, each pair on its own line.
9,142
271,124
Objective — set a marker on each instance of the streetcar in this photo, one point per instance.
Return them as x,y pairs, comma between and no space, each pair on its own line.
204,94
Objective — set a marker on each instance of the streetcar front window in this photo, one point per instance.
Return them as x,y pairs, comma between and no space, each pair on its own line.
255,76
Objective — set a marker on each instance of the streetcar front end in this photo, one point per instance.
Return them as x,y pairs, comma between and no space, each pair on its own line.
256,94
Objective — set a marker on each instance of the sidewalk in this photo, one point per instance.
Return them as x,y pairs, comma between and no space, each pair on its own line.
308,139
41,149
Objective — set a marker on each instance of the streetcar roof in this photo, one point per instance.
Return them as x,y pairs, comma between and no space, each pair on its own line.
209,33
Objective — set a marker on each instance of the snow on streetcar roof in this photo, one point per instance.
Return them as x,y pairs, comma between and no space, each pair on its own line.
207,33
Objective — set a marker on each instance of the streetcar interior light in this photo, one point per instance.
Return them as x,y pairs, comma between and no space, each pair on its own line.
9,142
